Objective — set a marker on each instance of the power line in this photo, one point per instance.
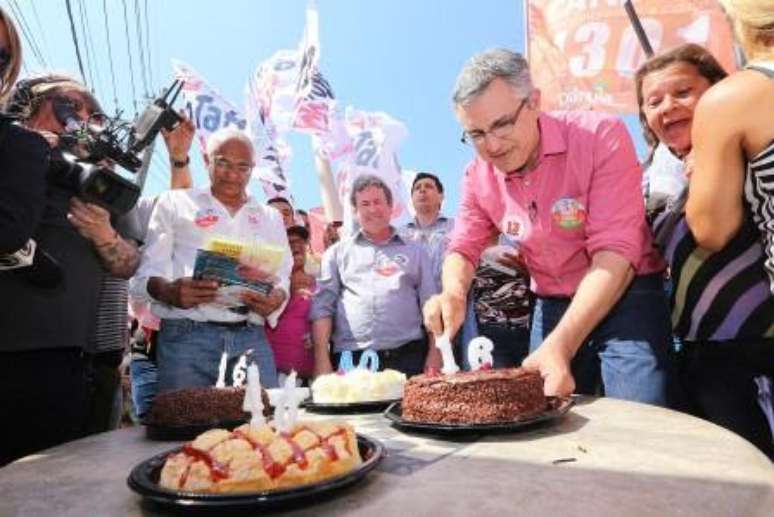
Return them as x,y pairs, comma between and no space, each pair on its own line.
138,29
75,39
39,24
110,55
90,44
26,32
129,52
148,47
87,53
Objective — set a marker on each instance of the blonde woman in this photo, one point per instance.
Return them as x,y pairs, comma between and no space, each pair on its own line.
10,54
733,140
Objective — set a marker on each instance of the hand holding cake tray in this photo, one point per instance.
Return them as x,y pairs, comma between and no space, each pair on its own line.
259,463
481,400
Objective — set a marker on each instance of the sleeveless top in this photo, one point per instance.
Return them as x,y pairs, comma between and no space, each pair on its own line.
759,188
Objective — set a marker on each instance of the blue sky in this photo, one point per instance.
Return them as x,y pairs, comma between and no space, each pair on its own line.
398,56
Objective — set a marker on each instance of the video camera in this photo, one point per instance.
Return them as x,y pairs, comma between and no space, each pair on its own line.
87,150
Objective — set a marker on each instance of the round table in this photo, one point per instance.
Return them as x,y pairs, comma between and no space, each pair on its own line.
605,457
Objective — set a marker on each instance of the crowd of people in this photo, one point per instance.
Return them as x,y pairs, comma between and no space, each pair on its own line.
554,254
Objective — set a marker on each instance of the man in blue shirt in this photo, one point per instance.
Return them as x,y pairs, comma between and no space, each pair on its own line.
429,228
371,291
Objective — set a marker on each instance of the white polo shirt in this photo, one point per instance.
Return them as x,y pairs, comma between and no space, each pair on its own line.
182,222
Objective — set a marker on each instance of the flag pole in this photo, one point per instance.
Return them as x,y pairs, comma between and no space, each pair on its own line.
638,29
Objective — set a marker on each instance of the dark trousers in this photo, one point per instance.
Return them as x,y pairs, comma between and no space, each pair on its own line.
103,382
408,358
42,400
718,380
627,355
511,343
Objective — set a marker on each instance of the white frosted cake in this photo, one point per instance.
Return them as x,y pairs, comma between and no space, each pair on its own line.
358,385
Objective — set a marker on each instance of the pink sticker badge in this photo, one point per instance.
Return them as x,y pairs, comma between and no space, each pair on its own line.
206,217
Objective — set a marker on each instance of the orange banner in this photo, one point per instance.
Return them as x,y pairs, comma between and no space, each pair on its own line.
583,53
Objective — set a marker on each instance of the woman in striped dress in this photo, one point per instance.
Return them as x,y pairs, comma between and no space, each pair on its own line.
734,135
722,309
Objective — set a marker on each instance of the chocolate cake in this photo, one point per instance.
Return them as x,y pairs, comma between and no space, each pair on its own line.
199,406
484,396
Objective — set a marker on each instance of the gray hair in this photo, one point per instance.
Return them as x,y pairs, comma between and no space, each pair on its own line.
369,180
483,68
223,135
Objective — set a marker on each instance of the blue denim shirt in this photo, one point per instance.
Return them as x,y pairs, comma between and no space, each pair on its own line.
434,238
373,292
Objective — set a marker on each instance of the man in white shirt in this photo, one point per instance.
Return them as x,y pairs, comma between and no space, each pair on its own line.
195,331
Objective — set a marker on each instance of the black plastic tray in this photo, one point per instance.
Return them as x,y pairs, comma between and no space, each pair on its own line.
557,408
144,480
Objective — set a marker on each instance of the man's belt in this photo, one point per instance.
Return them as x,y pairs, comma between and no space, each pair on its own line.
230,324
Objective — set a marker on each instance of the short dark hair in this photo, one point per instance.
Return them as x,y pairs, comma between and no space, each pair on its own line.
427,175
369,180
279,199
298,231
302,211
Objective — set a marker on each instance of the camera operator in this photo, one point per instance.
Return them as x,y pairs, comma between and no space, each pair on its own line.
45,322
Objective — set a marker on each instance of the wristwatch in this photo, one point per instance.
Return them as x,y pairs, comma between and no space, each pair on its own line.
176,164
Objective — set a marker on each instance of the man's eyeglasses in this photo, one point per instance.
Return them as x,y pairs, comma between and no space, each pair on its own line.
240,167
500,129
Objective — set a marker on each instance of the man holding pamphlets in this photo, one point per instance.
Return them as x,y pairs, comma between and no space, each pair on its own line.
215,267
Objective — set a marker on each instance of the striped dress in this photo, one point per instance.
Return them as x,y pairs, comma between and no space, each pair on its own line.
719,296
759,188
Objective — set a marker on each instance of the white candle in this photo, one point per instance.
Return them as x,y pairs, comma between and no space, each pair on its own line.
480,352
443,343
286,403
253,402
238,375
221,383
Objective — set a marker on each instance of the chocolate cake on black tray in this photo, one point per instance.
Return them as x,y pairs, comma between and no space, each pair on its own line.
201,406
483,396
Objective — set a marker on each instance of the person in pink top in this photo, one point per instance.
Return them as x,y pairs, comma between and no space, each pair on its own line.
291,338
565,189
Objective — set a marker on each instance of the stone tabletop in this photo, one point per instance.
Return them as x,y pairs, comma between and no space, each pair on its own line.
605,457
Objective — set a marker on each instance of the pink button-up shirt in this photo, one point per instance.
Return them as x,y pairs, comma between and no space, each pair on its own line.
584,196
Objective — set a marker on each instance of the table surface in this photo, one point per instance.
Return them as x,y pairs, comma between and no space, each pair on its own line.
626,459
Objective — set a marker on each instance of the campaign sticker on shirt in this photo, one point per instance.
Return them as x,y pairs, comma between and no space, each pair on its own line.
206,217
568,213
387,266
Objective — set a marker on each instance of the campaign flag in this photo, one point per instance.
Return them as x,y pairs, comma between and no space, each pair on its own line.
376,138
583,53
205,106
281,82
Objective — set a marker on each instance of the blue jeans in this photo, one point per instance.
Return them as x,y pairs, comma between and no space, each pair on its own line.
629,348
189,352
144,377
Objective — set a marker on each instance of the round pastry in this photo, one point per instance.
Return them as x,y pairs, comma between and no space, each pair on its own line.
483,396
251,459
358,385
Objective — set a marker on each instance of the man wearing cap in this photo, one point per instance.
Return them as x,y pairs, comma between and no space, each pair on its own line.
195,332
567,187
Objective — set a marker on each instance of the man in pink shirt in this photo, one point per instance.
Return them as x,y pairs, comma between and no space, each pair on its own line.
564,188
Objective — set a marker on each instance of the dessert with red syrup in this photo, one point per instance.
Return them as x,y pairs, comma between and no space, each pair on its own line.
477,397
256,459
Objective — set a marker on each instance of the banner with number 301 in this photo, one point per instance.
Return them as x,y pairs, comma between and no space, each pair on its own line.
583,53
